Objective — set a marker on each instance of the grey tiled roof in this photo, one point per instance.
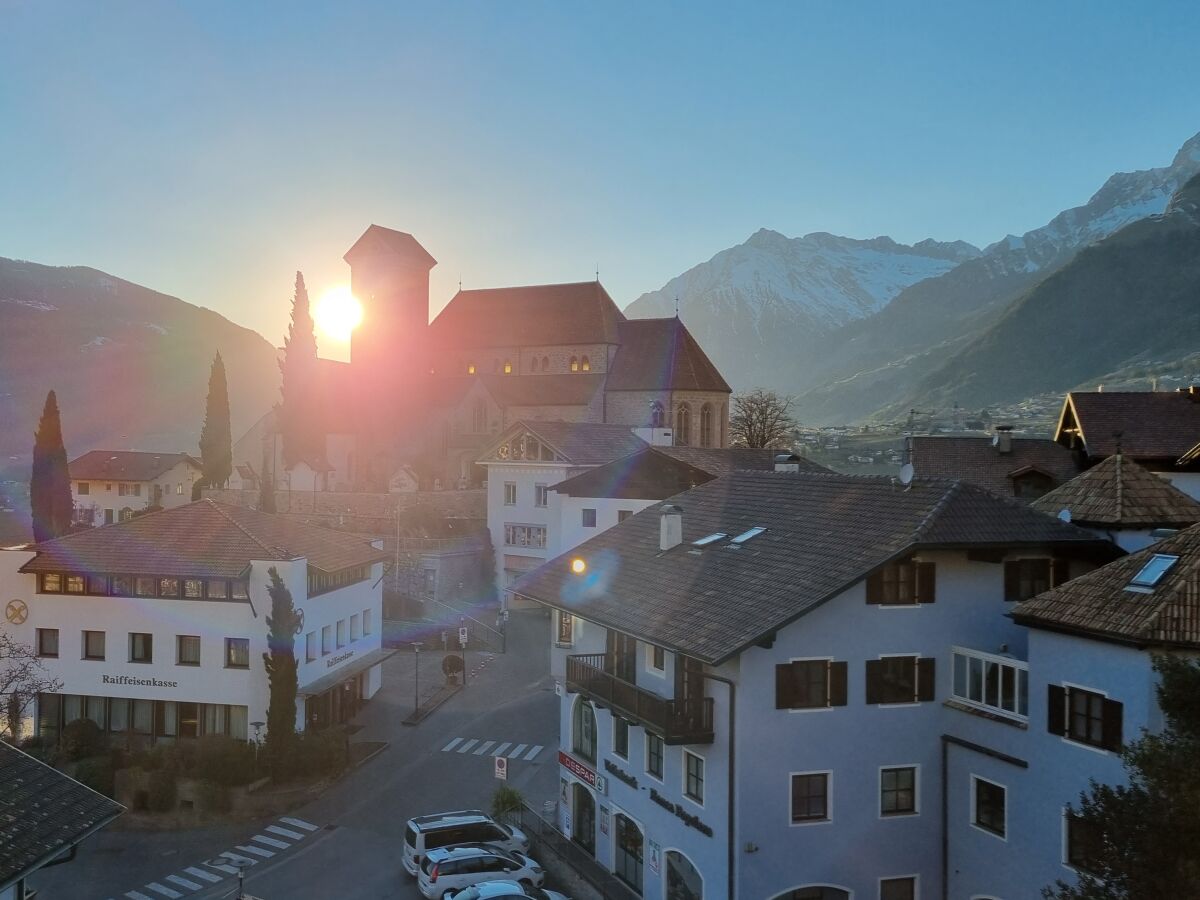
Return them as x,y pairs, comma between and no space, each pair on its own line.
125,465
1100,605
824,533
662,355
978,461
1159,425
42,814
1118,492
587,443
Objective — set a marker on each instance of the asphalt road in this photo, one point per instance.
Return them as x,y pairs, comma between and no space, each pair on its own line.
347,843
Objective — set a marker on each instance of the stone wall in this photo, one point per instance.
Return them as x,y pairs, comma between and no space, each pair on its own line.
352,510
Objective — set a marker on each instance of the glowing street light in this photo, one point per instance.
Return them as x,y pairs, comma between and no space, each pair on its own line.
578,566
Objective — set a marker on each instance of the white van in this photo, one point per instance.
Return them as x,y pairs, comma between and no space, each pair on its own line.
448,870
468,826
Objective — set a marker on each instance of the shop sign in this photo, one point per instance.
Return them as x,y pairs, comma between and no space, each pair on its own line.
620,774
139,682
681,812
582,772
340,658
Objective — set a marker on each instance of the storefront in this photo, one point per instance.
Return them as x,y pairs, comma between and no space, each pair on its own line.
137,723
336,698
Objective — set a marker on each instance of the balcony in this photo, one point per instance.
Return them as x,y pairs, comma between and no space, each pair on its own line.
678,721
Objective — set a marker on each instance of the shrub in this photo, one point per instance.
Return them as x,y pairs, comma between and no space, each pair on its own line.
97,773
451,665
222,760
506,801
214,796
41,749
82,738
160,794
316,753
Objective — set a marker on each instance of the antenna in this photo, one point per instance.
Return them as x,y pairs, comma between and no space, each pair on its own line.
597,273
906,474
1064,516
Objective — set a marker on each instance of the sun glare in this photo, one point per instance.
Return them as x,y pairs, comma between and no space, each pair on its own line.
338,313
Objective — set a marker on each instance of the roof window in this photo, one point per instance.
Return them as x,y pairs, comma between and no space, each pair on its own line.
710,539
747,535
1153,571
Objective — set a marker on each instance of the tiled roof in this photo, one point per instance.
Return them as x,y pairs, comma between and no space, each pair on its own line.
201,539
402,243
533,316
824,533
1099,603
583,443
1161,425
125,465
42,814
977,461
661,354
655,473
1118,492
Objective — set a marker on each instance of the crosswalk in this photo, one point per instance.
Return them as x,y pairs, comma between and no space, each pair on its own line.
482,747
277,837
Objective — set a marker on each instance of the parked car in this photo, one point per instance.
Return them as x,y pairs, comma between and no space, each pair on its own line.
447,870
504,890
467,826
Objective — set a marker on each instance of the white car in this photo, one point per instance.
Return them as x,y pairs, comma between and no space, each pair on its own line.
447,870
507,890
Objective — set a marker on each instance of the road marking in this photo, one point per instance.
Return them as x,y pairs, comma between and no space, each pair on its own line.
534,752
483,748
165,891
517,752
134,895
184,882
468,745
237,857
200,873
450,746
270,842
499,751
286,832
257,851
299,823
228,870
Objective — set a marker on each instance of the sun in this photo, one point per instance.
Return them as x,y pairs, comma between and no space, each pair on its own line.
338,313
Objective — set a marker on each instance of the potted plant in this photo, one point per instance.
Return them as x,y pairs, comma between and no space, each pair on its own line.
452,667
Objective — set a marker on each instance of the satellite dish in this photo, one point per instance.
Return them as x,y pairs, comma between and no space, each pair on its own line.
906,473
1064,515
995,440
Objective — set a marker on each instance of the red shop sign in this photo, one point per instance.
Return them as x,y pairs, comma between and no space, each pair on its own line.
576,768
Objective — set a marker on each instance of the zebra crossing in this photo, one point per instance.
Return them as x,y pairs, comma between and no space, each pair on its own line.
275,839
482,747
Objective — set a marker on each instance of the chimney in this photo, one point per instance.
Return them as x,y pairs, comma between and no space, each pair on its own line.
787,462
1004,439
670,528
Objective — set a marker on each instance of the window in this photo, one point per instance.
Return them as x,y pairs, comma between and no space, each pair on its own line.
47,642
510,493
240,590
356,626
98,584
706,425
144,586
75,584
470,368
1025,578
168,587
566,629
120,586
683,425
125,514
904,583
310,646
508,367
657,416
193,588
525,535
141,647
326,640
545,364
589,518
84,488
341,633
218,589
574,364
237,653
1085,843
658,658
994,683
900,679
988,806
898,791
810,684
541,495
585,364
188,646
367,621
583,730
122,489
620,737
1085,716
179,489
1152,572
810,797
51,583
898,888
693,777
654,755
93,645
623,514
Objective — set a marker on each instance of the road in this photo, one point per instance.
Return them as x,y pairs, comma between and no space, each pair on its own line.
347,843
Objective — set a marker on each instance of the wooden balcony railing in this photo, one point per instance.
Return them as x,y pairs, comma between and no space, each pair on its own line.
678,721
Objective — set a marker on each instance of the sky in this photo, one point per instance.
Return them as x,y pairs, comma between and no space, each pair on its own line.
210,149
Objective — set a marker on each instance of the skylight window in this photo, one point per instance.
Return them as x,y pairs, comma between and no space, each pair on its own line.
747,535
710,539
1153,571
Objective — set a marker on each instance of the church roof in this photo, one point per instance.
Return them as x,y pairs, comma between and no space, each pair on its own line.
1118,492
661,354
532,316
399,243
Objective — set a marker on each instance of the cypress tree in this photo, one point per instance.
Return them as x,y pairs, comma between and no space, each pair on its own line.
50,483
283,624
216,444
298,410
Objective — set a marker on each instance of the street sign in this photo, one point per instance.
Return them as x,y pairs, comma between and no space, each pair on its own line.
462,636
501,767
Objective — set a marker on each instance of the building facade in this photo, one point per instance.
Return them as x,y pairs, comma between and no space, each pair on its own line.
111,485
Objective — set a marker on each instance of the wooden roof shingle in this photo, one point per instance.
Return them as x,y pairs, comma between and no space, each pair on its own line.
1117,492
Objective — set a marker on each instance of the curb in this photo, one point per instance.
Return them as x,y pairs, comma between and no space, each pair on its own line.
438,699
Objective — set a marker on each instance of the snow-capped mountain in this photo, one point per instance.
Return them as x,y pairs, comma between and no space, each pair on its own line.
745,298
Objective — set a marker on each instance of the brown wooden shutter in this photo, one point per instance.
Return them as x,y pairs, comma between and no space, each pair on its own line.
926,682
926,582
1056,709
875,587
837,684
783,686
1012,580
1114,713
874,680
1060,572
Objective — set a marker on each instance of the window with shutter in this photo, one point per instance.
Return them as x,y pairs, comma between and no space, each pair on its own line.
904,583
1085,716
900,679
1025,578
810,684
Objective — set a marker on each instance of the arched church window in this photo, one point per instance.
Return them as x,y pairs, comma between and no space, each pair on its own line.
585,364
656,415
683,425
574,363
507,367
706,425
545,364
470,368
479,417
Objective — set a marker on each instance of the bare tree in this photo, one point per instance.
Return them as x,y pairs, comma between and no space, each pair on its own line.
761,419
22,678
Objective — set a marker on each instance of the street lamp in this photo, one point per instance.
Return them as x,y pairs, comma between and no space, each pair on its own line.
416,676
240,865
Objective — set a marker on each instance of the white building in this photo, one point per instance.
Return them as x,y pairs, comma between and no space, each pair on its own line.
111,485
157,628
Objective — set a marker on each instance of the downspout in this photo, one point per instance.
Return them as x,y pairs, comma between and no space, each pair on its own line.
732,849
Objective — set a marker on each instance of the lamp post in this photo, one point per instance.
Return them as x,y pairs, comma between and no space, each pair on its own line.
416,676
240,865
257,726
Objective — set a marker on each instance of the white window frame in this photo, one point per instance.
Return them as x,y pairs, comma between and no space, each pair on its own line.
827,707
916,767
683,777
828,773
1018,665
541,496
661,777
510,493
1003,787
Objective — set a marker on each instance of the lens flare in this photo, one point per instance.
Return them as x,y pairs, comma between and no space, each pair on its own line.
338,313
578,566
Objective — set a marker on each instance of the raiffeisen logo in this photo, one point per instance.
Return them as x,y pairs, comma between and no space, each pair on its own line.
141,682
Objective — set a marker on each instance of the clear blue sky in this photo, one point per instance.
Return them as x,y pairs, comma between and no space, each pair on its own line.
209,149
